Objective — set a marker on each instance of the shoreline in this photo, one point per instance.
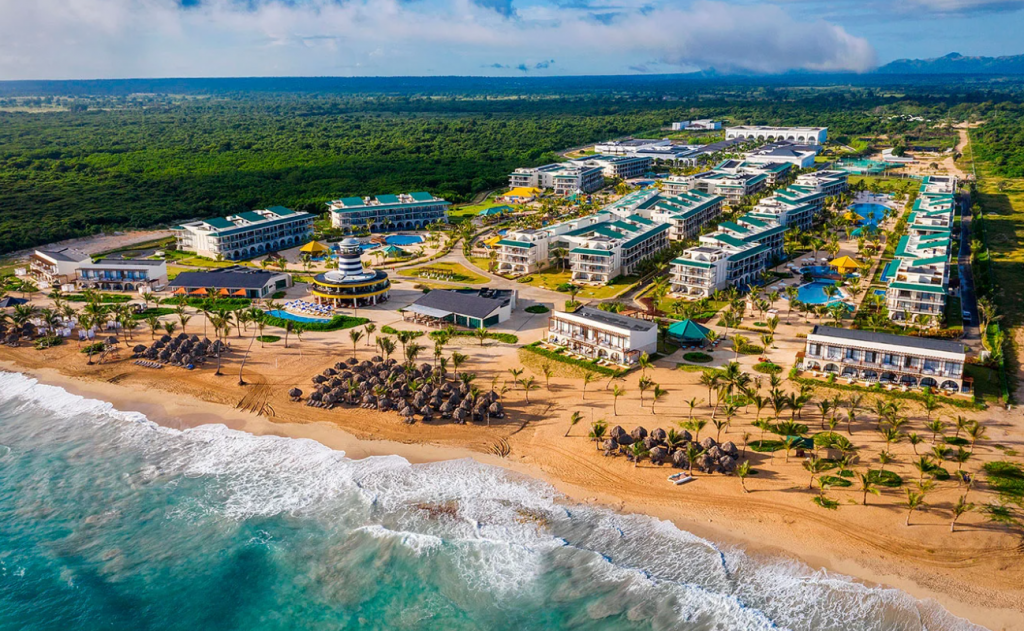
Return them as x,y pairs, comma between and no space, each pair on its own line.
184,411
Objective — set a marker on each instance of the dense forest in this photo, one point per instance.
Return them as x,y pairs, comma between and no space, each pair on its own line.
74,165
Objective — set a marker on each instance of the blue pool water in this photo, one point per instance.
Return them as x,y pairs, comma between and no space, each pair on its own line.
817,270
873,214
403,239
297,318
110,521
879,292
369,246
814,293
890,270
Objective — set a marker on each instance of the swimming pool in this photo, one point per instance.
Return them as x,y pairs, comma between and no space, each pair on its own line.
280,313
817,270
814,293
879,292
890,270
403,239
873,214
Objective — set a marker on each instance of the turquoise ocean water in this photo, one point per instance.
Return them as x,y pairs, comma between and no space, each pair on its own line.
108,521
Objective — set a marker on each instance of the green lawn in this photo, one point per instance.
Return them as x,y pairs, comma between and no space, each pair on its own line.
552,279
459,273
986,383
472,210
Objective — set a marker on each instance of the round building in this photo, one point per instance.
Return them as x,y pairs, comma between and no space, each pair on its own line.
350,285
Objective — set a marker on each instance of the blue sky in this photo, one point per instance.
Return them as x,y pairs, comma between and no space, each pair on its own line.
60,39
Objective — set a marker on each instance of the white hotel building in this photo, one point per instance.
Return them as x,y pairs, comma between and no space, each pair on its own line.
806,135
597,334
564,178
686,212
412,211
792,206
246,234
896,360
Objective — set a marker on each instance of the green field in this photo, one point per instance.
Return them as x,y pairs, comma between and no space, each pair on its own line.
552,279
459,273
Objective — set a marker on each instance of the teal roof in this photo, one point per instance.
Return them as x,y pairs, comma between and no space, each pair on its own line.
252,217
388,199
590,252
729,240
934,260
928,289
688,330
281,211
219,223
757,223
735,227
689,263
421,197
645,236
352,201
515,244
739,256
640,220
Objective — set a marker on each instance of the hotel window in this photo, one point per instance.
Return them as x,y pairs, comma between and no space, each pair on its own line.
911,362
932,364
889,359
815,350
852,354
832,352
870,357
953,368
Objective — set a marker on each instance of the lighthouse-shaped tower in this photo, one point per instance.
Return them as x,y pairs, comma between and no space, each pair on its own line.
351,285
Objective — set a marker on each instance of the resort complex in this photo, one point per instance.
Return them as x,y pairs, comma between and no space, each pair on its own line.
601,335
350,285
805,135
237,281
245,235
413,211
563,178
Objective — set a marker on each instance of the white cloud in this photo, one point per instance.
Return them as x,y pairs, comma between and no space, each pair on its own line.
157,38
961,6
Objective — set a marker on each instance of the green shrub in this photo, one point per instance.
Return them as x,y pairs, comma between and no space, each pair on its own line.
210,304
108,298
268,339
153,311
768,368
278,295
885,478
537,309
697,357
48,342
766,446
507,338
95,347
590,365
336,323
751,349
1007,479
524,279
564,288
831,480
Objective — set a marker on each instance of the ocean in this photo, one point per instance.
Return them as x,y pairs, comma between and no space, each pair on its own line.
109,521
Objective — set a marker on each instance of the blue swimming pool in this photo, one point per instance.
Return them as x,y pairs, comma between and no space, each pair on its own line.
403,239
296,318
817,270
890,270
873,215
879,292
369,246
814,293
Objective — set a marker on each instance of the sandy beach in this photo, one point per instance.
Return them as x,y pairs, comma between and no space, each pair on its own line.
975,573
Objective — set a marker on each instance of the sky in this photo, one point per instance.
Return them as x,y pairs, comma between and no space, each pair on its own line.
99,39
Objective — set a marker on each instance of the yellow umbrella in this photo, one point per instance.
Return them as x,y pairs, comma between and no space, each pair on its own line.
852,216
314,248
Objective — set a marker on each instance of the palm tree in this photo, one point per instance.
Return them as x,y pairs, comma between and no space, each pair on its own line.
644,362
644,384
692,403
169,328
355,335
616,393
528,384
638,451
458,359
576,417
548,372
480,334
962,506
962,424
695,425
914,439
915,500
692,453
656,394
814,465
867,485
977,432
710,379
386,344
597,432
936,426
742,471
587,378
154,325
790,443
369,327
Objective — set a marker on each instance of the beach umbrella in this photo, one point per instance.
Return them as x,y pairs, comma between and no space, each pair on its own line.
139,349
708,443
496,410
658,455
680,460
638,433
659,435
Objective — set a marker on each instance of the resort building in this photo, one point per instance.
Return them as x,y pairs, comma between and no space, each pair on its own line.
800,156
526,251
53,268
597,334
123,275
565,178
721,260
918,288
686,213
630,146
471,308
350,285
938,184
412,211
239,281
731,186
622,167
808,135
830,183
932,214
897,360
246,234
792,206
600,253
677,155
703,124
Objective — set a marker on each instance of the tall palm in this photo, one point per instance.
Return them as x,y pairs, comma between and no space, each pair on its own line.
915,500
355,335
657,393
576,417
616,393
588,377
597,432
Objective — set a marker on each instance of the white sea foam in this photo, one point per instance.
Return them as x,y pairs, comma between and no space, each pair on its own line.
501,531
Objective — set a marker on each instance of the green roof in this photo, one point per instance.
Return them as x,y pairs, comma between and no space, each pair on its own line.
646,235
388,199
421,197
689,263
640,220
929,261
220,223
729,239
252,217
928,289
515,244
688,330
281,211
735,227
757,223
590,252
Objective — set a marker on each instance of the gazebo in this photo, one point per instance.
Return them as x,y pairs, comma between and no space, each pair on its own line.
314,248
687,332
844,265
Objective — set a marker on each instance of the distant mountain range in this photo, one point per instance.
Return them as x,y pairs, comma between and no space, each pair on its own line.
955,63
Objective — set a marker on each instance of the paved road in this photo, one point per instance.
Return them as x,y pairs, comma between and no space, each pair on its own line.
968,299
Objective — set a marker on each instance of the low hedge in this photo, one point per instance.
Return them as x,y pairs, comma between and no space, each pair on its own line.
885,478
768,368
336,323
268,339
831,480
585,364
897,394
751,349
698,357
537,309
108,298
95,347
766,446
153,311
507,338
48,342
210,304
